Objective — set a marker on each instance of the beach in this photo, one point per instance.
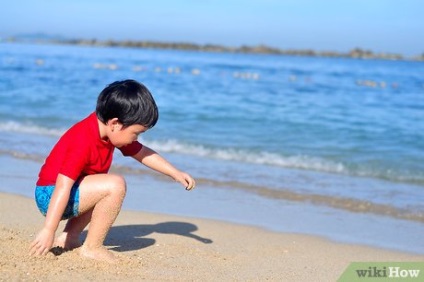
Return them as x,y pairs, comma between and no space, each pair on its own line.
302,165
158,247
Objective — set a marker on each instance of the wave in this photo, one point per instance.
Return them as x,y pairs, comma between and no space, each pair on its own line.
248,156
28,128
227,154
303,162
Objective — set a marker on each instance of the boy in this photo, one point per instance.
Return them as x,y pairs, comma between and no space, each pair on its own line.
74,184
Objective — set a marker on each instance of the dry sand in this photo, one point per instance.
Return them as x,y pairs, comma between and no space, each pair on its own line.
156,247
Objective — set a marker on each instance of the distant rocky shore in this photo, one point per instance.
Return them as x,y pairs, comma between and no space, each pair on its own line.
259,49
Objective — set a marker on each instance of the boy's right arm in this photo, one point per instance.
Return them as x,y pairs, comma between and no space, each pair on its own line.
44,240
156,162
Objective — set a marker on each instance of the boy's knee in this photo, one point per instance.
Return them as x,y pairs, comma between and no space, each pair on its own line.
118,184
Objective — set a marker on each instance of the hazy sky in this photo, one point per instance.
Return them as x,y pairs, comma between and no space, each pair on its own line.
395,26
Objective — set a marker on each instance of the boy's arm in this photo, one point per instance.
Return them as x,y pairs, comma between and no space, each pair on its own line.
45,238
153,160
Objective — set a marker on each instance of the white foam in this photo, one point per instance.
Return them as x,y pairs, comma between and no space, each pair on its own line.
12,126
247,156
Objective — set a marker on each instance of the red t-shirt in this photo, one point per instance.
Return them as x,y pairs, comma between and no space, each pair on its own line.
80,152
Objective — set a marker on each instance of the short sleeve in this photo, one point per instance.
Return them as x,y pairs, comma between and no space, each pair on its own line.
75,159
131,149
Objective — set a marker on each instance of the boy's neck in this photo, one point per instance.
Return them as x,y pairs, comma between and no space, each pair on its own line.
102,130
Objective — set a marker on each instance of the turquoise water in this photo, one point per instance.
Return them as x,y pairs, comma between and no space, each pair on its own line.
338,133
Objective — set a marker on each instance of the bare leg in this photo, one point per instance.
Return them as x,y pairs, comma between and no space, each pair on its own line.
101,196
69,239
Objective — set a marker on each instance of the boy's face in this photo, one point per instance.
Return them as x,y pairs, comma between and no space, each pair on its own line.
121,136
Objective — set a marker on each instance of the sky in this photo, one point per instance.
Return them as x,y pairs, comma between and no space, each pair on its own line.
390,26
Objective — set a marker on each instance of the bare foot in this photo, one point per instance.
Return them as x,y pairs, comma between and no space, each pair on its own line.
67,241
101,254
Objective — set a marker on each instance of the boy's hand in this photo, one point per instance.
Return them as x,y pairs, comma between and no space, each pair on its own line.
42,243
186,180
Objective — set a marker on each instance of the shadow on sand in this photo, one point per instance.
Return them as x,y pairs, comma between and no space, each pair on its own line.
132,237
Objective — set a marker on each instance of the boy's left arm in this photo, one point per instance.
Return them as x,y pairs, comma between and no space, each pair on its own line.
153,160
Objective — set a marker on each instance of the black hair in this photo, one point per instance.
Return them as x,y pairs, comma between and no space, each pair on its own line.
129,101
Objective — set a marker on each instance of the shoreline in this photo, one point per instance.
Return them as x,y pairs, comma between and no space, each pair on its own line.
354,53
155,246
158,195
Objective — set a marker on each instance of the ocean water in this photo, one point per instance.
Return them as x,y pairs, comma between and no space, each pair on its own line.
340,134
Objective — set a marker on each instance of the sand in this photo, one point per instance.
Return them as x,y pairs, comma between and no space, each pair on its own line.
157,247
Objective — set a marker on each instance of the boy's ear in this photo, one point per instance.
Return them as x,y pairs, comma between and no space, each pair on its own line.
114,124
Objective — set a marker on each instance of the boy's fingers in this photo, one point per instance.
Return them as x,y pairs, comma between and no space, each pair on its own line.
33,249
191,185
45,251
187,181
33,252
38,249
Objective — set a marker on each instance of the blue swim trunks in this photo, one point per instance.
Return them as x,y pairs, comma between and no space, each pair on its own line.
43,195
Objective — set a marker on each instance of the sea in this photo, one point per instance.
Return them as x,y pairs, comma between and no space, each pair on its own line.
330,147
